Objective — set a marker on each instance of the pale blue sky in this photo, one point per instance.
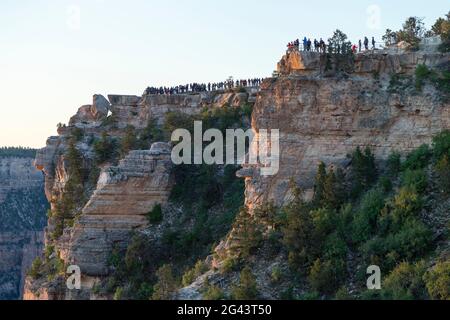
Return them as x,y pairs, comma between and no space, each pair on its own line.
50,64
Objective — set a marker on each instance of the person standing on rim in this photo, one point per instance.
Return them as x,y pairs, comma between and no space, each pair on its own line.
366,43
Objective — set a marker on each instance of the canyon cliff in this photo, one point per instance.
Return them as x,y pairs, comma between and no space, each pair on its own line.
22,210
323,107
323,115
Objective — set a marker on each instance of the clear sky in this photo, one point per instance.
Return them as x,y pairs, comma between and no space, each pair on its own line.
55,54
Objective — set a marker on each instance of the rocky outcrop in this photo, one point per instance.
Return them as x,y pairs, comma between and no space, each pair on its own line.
17,252
124,195
324,108
117,205
380,62
17,173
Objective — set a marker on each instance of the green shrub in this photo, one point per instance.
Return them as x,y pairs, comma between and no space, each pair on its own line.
416,179
105,149
365,222
441,145
385,184
364,171
35,270
276,275
156,215
412,240
422,74
247,110
442,169
129,141
246,235
405,205
229,265
76,134
118,294
405,282
151,133
166,285
418,159
299,236
310,296
247,287
394,164
438,281
145,291
343,294
326,277
177,120
190,275
324,221
213,293
335,247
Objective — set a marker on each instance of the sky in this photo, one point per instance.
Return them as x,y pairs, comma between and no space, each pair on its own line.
56,54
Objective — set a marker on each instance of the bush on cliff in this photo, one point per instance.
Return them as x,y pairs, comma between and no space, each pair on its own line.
405,282
247,288
190,275
364,171
212,292
438,281
155,216
442,169
129,141
166,285
35,270
412,32
151,133
72,197
105,149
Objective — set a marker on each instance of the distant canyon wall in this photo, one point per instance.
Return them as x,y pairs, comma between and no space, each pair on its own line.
23,209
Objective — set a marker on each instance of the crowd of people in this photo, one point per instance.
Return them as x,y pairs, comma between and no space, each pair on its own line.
321,46
308,45
204,87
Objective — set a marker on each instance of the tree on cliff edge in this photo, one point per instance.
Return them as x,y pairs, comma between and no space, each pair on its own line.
339,43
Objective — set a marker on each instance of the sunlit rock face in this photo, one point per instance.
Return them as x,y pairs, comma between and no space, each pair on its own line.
118,202
323,115
124,195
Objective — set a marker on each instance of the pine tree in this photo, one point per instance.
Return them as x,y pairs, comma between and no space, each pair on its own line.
329,191
319,185
246,235
166,285
363,170
129,141
443,172
247,287
104,148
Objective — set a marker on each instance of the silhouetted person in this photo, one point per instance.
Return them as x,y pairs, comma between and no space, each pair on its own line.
366,43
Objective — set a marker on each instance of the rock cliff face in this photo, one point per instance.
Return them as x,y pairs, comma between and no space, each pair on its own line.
118,203
323,114
22,219
124,195
324,109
